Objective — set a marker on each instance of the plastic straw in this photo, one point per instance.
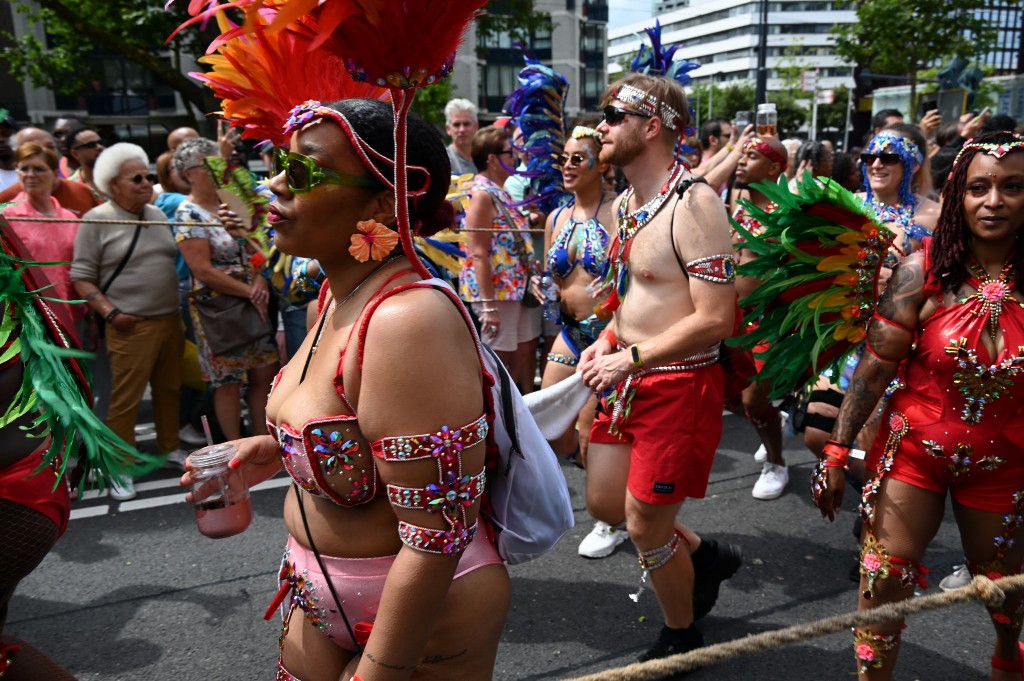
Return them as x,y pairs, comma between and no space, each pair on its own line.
206,429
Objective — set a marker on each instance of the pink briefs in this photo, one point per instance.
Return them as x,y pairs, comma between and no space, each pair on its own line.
359,583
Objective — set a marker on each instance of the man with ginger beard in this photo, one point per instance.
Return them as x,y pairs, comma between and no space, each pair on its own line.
764,159
652,444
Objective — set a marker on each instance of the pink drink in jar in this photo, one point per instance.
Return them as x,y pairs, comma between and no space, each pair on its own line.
220,495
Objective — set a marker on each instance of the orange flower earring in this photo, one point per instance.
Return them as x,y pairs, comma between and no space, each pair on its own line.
375,241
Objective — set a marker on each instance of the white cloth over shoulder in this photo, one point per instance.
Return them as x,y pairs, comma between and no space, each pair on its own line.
557,407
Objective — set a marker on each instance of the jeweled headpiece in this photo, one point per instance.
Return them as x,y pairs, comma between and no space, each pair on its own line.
910,156
759,145
648,104
998,150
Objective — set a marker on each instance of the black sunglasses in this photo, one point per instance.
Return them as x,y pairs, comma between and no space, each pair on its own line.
576,159
137,179
886,159
87,145
613,115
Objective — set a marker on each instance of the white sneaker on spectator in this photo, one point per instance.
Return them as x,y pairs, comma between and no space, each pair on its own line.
761,455
772,483
602,540
123,490
176,459
190,436
960,578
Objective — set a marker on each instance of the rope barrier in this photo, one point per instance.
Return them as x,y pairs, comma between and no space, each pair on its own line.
991,593
169,223
166,223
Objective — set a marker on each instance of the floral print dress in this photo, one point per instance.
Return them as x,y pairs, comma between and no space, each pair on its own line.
511,249
226,256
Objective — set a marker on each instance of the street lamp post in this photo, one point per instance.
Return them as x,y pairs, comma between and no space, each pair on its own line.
762,56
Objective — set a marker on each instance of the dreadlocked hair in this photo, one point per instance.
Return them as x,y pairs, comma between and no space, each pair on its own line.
951,241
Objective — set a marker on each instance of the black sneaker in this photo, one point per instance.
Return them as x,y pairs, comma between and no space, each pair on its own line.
674,642
724,561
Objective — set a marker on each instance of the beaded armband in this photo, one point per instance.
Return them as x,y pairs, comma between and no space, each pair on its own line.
563,359
450,496
718,269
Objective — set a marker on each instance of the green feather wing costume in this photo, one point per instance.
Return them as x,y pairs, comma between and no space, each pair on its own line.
55,389
819,260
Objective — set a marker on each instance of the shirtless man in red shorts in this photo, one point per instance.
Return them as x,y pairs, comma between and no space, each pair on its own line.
655,439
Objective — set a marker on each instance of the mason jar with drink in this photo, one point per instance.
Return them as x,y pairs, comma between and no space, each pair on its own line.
767,119
220,495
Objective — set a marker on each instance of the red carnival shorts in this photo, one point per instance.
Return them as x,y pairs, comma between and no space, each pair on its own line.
673,429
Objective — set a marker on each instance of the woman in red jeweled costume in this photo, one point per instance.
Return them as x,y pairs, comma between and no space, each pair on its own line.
950,328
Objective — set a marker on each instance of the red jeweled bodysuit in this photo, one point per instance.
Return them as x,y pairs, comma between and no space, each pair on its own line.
959,422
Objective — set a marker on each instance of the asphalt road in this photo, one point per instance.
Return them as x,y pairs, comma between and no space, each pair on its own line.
133,591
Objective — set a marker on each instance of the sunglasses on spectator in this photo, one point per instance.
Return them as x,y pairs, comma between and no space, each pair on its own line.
303,174
504,152
613,115
886,159
137,179
87,145
576,159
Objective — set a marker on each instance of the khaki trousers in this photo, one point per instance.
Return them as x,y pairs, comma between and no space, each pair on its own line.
148,354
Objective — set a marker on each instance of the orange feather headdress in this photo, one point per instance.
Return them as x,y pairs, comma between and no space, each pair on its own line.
378,42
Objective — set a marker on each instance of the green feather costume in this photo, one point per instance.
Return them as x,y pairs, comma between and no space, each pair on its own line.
55,383
819,260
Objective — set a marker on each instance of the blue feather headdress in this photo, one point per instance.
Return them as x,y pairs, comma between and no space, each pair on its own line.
658,60
537,108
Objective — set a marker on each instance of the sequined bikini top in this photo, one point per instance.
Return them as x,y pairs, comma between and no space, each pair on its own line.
591,246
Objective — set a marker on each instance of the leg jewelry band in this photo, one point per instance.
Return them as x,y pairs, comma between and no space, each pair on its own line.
871,649
563,359
876,563
652,560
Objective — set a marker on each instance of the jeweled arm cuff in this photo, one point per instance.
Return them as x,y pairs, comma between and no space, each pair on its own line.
718,269
443,542
442,444
450,496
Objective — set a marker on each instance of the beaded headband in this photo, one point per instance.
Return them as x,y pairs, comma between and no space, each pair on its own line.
991,148
771,153
583,131
910,156
648,104
312,110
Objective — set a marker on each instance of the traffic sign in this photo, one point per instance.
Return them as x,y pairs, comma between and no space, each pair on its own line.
825,96
809,80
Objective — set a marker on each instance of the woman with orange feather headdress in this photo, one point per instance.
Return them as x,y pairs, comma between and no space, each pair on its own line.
382,419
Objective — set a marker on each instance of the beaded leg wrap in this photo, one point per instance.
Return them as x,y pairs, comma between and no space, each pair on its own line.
653,559
871,649
283,674
563,359
450,496
876,563
1010,615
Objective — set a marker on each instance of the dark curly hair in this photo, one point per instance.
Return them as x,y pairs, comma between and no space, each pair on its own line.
373,121
951,241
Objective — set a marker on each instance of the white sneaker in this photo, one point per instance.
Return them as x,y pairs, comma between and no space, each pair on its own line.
176,459
602,540
123,490
190,436
772,483
960,578
761,455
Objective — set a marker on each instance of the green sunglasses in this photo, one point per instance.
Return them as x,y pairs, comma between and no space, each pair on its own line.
303,174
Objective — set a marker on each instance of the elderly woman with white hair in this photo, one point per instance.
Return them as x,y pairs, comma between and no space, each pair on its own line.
220,266
126,273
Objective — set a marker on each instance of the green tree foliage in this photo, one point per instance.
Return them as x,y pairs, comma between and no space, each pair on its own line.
515,18
430,101
904,37
76,29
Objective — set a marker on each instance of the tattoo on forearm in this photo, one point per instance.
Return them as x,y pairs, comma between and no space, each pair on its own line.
438,659
394,667
862,398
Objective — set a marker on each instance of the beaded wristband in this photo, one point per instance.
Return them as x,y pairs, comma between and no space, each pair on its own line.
110,315
836,454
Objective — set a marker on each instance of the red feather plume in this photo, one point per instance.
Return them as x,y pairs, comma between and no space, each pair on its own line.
260,74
